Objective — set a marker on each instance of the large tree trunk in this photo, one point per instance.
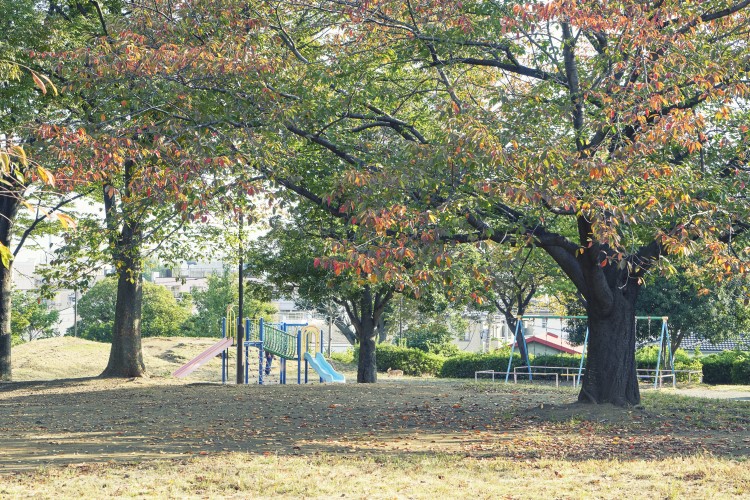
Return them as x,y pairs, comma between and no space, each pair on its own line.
367,368
8,210
6,287
610,291
611,375
365,313
125,356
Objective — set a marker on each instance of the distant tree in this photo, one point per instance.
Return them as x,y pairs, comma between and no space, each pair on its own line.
163,316
32,319
289,257
716,312
223,290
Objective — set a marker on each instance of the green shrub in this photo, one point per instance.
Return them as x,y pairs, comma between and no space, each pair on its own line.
741,370
693,364
717,368
434,337
343,357
410,361
568,360
464,365
647,357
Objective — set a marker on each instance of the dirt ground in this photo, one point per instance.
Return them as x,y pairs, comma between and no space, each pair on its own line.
83,420
92,420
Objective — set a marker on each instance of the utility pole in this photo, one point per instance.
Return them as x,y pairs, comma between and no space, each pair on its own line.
401,319
240,319
75,312
330,321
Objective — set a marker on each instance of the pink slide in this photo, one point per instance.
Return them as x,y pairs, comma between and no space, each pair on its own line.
202,358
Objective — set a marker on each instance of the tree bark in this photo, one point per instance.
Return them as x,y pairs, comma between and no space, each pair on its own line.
367,367
610,291
125,355
346,330
8,210
611,375
6,286
365,313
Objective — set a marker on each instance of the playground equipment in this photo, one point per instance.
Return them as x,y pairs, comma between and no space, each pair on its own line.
203,358
519,325
665,352
286,341
221,346
665,347
324,368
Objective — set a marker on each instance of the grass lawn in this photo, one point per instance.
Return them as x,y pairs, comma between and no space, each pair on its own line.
403,438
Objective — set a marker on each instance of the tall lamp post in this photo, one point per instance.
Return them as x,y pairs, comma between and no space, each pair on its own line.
240,322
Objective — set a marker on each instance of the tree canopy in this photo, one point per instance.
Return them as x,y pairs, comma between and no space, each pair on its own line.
612,136
163,316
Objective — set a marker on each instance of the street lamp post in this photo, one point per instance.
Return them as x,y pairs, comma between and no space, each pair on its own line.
240,322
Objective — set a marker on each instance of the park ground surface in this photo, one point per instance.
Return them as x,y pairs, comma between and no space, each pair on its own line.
402,438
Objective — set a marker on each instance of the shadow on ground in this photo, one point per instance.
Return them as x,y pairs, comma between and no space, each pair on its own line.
93,420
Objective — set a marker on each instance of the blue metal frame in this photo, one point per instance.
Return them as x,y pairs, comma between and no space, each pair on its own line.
664,336
519,324
259,343
583,356
224,359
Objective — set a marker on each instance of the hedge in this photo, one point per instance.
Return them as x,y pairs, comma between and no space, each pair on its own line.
741,370
567,360
464,365
728,367
646,358
411,361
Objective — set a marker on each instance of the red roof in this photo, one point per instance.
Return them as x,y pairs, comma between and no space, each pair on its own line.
555,342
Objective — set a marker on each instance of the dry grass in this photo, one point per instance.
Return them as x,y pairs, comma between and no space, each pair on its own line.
66,358
406,438
239,475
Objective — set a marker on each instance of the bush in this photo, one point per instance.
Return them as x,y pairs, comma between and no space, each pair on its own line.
568,360
741,370
646,358
464,365
717,368
434,338
411,361
343,357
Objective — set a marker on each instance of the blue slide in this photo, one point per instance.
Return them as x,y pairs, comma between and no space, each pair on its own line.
324,368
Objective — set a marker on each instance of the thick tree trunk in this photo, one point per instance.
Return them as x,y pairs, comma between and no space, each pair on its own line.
610,290
365,313
6,286
610,375
125,355
8,210
367,368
